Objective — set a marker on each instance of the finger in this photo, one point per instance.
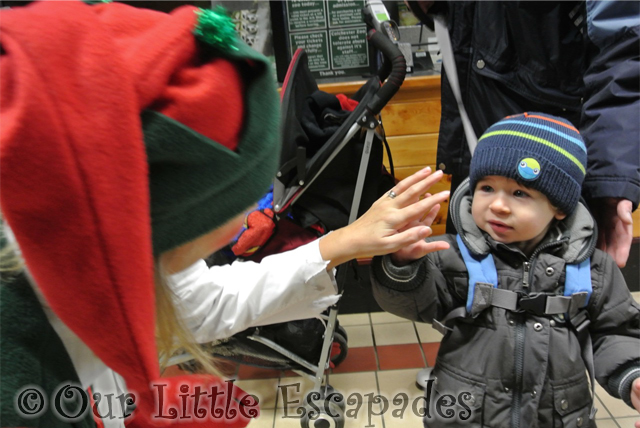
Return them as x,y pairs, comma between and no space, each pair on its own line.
425,248
624,211
411,180
417,210
431,215
416,236
620,252
410,193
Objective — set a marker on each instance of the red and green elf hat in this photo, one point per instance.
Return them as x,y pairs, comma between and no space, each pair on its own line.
126,132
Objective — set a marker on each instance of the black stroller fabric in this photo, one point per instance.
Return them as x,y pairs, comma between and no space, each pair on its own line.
315,121
322,115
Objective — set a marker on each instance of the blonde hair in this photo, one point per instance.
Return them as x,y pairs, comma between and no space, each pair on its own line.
172,336
11,263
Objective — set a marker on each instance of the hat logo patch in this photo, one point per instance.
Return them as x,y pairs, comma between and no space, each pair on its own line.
529,169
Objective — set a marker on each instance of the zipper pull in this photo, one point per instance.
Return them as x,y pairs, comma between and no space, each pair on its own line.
525,277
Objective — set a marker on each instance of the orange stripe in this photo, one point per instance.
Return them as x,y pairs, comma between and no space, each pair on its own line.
552,120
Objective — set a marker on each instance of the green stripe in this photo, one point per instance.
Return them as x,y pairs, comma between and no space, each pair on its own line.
539,140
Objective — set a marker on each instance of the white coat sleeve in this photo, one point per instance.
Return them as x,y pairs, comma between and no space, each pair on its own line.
220,301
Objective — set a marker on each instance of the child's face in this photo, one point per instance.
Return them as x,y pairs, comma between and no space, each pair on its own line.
180,258
511,213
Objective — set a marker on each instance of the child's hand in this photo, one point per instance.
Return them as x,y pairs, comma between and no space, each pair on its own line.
420,248
635,397
390,224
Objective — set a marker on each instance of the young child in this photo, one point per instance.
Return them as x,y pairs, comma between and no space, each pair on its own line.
521,294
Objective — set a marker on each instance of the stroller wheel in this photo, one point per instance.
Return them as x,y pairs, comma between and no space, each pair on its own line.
339,349
322,414
335,397
327,394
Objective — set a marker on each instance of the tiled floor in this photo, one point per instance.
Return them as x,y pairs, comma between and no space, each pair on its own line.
385,353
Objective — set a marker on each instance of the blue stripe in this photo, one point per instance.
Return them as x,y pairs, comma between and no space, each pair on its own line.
546,128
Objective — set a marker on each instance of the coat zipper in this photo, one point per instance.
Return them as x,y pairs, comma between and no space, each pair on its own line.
526,266
519,365
520,332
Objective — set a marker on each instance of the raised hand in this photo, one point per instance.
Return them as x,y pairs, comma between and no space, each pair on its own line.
398,219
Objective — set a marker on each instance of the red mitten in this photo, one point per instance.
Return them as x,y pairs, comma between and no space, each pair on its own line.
259,226
347,103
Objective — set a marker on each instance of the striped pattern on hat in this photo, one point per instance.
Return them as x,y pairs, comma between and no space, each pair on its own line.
540,151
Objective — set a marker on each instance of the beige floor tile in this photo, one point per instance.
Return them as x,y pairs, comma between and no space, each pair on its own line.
357,386
406,419
293,390
602,412
265,389
264,421
354,319
636,295
385,318
393,382
359,336
394,334
427,333
288,419
616,407
626,422
368,415
610,423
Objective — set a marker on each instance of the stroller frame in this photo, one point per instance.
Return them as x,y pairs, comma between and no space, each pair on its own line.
329,404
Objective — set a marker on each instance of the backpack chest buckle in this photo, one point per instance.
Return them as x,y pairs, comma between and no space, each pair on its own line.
536,304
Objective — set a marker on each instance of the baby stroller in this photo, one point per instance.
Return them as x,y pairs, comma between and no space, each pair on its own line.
311,164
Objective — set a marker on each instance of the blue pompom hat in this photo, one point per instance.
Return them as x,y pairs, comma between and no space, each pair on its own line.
540,151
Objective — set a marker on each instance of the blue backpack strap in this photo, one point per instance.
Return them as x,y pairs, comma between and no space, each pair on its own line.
577,284
481,270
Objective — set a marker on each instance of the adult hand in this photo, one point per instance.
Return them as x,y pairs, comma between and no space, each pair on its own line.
635,397
615,227
390,224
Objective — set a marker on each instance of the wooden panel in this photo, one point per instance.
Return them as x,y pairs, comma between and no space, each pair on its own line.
636,223
417,88
412,150
411,118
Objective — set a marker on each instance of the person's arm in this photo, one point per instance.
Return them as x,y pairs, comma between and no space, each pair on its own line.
614,329
220,301
416,290
391,223
610,123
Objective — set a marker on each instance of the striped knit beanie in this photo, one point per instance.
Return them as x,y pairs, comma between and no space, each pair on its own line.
540,151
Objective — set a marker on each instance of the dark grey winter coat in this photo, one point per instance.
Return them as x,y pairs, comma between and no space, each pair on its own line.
522,370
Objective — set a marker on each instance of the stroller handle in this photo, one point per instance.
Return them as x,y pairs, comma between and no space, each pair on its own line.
398,70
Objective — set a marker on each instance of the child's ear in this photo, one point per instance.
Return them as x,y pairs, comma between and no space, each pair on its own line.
559,215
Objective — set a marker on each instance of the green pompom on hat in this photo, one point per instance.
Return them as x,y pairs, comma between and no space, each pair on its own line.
211,138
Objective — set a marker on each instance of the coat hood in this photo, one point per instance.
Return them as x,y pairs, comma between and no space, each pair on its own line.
578,231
